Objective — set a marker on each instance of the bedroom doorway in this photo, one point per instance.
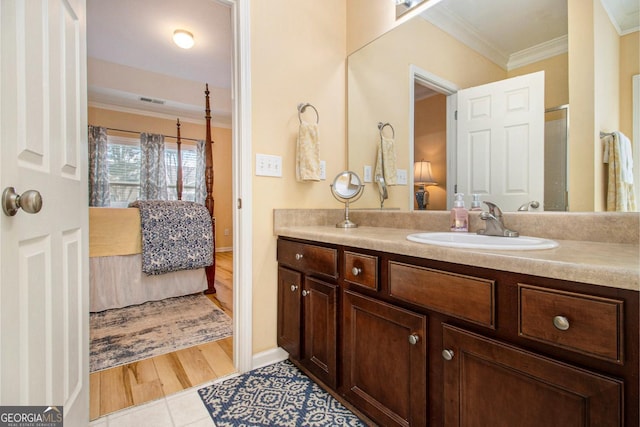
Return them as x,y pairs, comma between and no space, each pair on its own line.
240,229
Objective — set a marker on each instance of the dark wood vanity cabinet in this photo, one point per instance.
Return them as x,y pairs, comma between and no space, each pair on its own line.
385,360
307,307
319,305
289,311
490,383
416,342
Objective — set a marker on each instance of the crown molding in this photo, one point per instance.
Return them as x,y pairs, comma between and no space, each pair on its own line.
539,52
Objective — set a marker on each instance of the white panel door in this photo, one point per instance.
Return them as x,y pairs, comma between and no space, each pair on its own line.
501,141
44,257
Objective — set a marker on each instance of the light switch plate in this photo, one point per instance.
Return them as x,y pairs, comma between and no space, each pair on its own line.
402,176
268,165
323,169
367,174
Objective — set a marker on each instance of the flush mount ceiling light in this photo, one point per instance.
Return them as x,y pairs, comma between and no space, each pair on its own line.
183,39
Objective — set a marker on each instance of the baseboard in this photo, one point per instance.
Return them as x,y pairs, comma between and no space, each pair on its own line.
269,357
225,249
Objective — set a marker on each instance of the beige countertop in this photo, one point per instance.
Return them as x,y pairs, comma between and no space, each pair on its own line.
608,264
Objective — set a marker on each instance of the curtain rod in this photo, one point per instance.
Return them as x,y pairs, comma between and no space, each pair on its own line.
166,136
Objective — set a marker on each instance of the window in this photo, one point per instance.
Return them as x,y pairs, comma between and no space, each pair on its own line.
124,170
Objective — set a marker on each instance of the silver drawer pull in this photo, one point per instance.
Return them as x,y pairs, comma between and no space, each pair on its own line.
413,339
305,293
447,354
299,257
294,288
356,271
561,323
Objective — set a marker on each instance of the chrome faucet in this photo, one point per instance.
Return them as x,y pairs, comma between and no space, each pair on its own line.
494,224
525,206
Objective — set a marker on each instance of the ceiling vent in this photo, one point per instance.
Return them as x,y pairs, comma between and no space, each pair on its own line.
151,100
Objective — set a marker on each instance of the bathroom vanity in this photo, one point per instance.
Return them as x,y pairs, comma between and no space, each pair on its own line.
415,335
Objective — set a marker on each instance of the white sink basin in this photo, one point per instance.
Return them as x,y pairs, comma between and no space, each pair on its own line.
477,241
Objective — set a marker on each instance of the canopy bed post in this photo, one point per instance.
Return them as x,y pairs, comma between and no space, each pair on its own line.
179,174
211,270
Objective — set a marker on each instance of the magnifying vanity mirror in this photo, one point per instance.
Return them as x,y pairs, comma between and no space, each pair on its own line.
347,188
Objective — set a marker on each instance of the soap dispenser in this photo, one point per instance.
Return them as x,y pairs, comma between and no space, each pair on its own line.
459,214
475,203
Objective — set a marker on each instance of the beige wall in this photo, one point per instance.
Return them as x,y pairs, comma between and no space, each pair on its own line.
221,156
629,67
297,55
595,66
366,20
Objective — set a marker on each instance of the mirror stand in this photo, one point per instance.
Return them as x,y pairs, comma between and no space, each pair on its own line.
347,223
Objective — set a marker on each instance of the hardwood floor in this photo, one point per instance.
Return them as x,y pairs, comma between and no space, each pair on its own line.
150,379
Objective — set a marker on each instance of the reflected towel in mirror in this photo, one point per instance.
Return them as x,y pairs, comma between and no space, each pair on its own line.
387,156
617,153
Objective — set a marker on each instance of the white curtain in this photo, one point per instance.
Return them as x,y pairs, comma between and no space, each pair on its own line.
99,194
153,172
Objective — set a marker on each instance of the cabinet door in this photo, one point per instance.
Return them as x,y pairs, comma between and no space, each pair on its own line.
488,383
384,359
289,291
320,320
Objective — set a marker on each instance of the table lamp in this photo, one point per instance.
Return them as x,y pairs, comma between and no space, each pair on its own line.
422,177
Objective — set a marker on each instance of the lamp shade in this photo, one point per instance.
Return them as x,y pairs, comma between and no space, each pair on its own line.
422,173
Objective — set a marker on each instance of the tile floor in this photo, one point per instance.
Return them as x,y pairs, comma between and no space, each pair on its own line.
183,409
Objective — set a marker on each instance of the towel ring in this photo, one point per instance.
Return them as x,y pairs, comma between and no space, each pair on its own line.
302,107
381,127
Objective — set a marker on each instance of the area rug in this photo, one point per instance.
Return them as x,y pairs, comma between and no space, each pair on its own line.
124,335
278,395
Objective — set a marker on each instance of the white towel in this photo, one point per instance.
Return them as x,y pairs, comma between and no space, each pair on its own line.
308,153
387,150
626,158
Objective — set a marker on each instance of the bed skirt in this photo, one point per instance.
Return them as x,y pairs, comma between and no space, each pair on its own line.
118,281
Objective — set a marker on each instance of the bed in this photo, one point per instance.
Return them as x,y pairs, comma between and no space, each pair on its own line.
117,266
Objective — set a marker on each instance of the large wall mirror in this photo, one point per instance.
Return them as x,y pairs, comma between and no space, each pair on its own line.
411,76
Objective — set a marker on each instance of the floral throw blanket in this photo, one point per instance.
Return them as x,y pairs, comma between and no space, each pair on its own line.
176,235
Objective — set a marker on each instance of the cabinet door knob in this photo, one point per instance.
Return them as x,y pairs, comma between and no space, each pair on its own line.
447,354
294,288
561,323
299,257
356,271
413,339
305,293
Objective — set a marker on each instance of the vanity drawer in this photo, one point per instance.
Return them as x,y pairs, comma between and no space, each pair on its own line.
469,298
308,258
360,269
578,322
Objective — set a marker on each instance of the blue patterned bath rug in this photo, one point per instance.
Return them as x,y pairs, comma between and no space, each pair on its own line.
277,395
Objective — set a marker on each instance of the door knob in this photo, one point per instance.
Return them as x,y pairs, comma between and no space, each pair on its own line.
30,201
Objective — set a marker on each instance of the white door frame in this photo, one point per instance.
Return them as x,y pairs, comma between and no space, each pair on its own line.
242,214
636,135
440,85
